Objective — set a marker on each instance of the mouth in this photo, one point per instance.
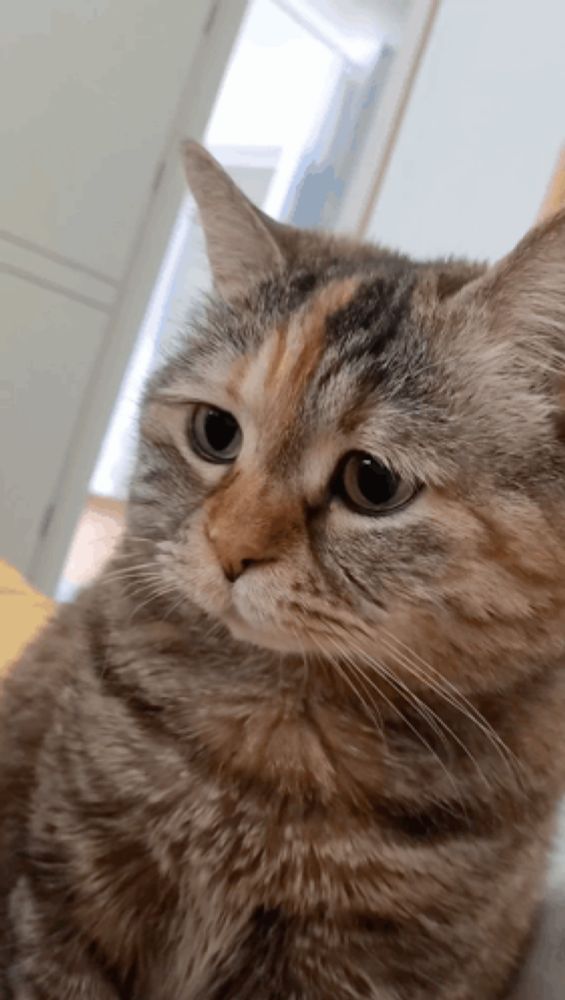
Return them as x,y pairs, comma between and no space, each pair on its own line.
254,614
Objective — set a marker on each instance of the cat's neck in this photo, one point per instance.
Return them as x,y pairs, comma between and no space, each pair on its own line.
307,727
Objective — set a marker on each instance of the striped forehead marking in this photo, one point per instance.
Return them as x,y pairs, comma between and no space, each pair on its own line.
282,369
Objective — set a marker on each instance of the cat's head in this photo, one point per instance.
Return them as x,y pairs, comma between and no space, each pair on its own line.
353,453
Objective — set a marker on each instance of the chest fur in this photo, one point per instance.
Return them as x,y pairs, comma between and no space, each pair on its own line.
272,810
299,807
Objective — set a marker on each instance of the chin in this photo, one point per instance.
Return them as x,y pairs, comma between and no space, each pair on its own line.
249,620
266,637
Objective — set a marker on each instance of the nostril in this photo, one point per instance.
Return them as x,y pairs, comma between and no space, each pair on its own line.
233,570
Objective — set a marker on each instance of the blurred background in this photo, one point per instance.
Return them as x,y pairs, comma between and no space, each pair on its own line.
432,126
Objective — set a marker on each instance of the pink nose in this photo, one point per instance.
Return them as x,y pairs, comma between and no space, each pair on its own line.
235,555
248,523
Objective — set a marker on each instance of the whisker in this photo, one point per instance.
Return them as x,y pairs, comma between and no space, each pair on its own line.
174,606
154,595
420,737
375,716
406,721
452,697
457,700
447,730
343,675
128,571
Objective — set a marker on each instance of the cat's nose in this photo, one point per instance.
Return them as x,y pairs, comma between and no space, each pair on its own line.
236,553
249,524
233,568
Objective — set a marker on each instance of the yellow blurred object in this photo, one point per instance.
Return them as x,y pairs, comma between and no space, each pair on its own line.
22,613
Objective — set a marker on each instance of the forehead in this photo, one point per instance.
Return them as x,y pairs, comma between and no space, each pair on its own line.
325,354
285,370
337,367
384,359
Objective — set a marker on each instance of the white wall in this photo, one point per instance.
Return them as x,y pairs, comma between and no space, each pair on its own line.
482,131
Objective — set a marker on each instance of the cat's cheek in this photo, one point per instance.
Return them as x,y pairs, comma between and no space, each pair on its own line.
197,573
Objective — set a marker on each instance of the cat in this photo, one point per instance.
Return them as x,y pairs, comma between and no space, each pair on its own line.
303,737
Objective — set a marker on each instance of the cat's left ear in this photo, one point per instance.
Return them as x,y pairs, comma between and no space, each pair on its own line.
524,294
241,242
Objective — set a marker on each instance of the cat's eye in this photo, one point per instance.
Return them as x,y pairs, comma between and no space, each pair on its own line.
214,434
369,487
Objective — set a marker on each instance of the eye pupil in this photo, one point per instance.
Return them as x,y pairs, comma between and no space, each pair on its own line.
375,482
214,434
220,428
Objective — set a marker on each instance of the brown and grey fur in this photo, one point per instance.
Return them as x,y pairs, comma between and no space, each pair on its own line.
336,777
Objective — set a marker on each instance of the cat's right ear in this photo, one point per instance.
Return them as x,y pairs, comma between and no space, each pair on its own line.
242,249
521,299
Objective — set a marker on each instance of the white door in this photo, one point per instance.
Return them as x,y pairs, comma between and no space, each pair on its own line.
94,97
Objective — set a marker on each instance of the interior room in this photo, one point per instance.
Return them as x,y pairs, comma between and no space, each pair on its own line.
431,128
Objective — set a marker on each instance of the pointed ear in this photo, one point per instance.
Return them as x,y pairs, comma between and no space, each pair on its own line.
526,292
242,249
517,307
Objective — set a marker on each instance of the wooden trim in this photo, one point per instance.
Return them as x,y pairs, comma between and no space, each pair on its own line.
555,195
107,505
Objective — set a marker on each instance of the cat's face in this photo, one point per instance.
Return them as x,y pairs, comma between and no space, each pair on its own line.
346,460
